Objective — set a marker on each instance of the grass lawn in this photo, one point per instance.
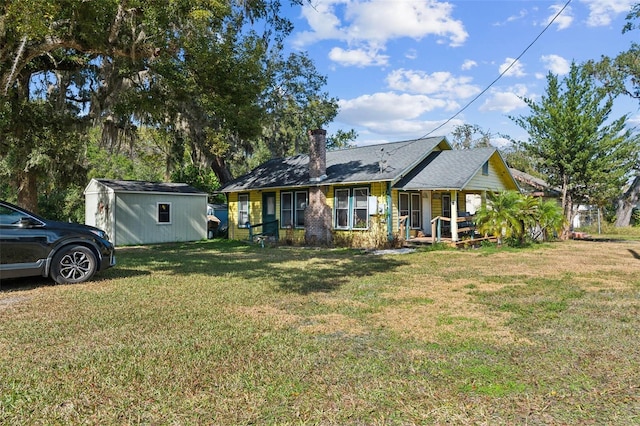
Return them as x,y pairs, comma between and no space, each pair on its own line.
222,333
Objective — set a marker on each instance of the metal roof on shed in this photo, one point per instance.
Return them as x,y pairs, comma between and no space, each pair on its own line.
145,186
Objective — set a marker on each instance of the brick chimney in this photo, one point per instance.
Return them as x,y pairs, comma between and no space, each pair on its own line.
317,215
317,155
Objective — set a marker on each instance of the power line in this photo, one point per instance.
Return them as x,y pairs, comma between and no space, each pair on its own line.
502,73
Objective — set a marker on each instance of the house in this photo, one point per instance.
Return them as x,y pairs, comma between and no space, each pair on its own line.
138,212
369,194
534,186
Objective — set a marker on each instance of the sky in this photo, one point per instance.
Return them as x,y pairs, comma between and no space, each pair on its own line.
403,69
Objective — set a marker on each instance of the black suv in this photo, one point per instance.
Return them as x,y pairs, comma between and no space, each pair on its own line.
67,252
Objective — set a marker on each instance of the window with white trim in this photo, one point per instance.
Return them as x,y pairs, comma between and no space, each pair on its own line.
410,205
416,211
292,207
342,209
403,204
351,208
164,213
243,210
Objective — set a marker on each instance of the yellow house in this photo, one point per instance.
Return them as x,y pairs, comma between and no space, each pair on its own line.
365,196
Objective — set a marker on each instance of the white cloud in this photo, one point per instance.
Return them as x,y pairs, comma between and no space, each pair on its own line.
440,84
564,20
357,57
411,54
634,121
602,12
375,132
505,101
500,142
324,24
375,22
523,13
388,106
514,69
468,64
556,64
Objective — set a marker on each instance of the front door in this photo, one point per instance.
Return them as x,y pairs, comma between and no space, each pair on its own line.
269,213
426,213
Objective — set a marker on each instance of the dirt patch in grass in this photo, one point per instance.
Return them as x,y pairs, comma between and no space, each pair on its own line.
275,317
450,314
334,324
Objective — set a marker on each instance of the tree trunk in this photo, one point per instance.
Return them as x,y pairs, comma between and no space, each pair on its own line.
28,191
626,203
220,169
567,208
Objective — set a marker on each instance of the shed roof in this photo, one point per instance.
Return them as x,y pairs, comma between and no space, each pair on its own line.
145,186
452,169
371,163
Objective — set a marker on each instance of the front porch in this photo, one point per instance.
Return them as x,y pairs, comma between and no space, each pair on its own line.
459,231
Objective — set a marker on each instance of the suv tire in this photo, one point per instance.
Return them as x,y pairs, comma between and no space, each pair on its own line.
73,265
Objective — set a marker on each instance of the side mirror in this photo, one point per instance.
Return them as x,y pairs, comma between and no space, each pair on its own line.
26,222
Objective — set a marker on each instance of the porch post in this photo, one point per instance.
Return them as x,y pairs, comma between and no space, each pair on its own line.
454,216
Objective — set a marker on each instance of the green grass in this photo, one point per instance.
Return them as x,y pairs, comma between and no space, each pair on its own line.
218,332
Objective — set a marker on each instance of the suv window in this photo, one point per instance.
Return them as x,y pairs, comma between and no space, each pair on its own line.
9,216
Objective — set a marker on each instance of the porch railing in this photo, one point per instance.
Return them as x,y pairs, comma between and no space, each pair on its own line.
466,222
262,235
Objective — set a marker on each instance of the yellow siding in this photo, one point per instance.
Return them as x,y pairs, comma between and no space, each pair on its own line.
436,205
498,179
377,231
395,215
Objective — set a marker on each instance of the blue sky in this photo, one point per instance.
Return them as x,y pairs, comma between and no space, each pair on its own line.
400,68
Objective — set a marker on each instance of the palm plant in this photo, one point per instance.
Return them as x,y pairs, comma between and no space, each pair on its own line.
501,216
551,220
509,214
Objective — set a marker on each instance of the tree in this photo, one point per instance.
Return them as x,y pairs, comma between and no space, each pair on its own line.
575,144
466,136
196,71
621,75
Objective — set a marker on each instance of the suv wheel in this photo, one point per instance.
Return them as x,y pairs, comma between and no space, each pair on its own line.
72,265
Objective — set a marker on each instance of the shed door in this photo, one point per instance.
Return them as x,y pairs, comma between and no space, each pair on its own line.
269,213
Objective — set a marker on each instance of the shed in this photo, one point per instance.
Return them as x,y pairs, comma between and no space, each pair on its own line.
139,212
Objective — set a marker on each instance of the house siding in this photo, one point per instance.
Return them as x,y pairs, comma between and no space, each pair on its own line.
377,222
498,180
137,219
130,218
99,208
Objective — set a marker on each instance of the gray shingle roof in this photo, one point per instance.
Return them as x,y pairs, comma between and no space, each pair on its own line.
372,163
144,186
451,169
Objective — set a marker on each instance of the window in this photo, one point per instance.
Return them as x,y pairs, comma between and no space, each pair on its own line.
286,209
351,208
410,204
416,211
403,208
292,207
485,169
360,208
342,209
301,205
164,213
243,210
